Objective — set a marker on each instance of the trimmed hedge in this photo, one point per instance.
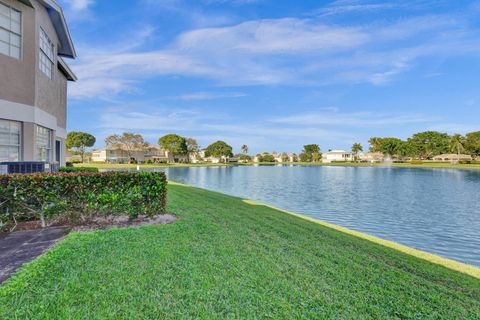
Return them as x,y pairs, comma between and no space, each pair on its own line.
80,195
78,169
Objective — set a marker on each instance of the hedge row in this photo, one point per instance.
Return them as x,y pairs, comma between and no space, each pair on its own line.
78,169
80,195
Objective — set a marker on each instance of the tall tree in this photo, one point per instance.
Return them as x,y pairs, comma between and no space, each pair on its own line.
245,149
457,142
127,141
192,145
79,141
429,144
472,143
388,146
219,149
356,149
375,144
174,144
311,152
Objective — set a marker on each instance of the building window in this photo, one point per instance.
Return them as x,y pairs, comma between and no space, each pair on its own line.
10,140
46,54
10,31
43,142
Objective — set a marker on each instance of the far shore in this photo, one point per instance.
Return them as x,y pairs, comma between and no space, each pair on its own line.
444,165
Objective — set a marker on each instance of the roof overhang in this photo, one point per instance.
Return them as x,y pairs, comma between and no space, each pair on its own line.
66,48
66,70
26,2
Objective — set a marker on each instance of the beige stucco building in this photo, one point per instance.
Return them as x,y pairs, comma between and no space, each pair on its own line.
33,80
115,154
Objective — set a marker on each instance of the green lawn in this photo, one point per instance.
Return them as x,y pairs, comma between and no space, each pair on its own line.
224,259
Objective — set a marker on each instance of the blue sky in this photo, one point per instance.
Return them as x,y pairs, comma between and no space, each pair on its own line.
274,74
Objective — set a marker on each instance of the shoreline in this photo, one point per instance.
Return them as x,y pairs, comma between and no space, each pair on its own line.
434,165
451,264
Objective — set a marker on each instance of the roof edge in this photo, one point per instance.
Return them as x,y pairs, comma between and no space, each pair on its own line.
59,22
63,66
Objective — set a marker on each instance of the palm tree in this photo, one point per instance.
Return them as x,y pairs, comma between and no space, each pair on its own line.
456,143
245,149
356,148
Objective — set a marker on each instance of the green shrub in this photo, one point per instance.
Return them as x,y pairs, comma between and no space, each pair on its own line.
80,195
78,169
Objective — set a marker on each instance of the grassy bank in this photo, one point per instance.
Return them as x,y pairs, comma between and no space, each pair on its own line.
348,164
227,258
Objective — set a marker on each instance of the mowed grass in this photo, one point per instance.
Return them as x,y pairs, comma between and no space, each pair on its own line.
227,259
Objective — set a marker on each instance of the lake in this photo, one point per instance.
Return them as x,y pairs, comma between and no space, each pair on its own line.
436,210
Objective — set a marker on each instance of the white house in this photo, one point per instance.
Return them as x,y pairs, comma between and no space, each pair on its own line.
337,155
371,157
222,159
197,157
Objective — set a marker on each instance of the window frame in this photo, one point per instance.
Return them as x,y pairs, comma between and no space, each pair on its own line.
11,145
10,32
45,62
39,147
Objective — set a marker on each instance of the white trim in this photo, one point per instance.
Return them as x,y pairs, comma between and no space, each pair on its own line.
61,133
25,113
57,17
63,66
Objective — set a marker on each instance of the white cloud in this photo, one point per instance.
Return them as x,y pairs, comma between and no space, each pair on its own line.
210,95
348,6
208,127
279,36
276,51
79,5
353,119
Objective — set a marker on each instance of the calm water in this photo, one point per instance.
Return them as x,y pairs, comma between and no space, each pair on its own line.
436,210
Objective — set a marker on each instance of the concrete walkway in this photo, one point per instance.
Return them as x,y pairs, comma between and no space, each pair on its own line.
18,248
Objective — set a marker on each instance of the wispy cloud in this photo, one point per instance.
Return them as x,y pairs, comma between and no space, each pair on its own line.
288,51
208,127
350,6
209,95
329,126
352,119
79,4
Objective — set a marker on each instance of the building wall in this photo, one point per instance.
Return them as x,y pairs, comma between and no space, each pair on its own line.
50,94
16,81
28,95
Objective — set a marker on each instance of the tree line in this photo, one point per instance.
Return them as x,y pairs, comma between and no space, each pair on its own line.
428,144
422,145
176,145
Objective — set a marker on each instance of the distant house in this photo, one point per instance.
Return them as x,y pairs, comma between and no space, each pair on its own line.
221,159
284,157
72,157
116,155
337,155
278,157
197,157
292,157
453,157
156,154
372,157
